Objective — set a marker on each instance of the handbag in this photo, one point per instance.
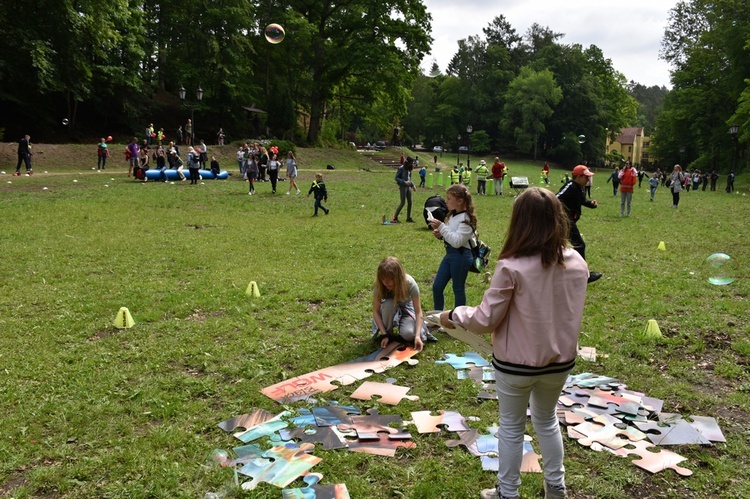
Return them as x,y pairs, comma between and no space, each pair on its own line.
480,254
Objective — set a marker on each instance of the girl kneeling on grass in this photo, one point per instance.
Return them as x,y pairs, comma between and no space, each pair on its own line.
532,353
396,304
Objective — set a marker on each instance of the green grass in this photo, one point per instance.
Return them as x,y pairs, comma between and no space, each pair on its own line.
92,411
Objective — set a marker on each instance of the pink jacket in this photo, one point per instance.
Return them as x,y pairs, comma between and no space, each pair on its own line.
533,313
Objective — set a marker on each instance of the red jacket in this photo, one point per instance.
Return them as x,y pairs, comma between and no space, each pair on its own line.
628,178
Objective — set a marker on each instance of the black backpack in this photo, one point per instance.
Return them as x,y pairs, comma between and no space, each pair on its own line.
435,204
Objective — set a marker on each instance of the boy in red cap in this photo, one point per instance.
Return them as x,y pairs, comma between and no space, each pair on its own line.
572,197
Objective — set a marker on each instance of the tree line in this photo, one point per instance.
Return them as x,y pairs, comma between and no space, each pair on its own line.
348,70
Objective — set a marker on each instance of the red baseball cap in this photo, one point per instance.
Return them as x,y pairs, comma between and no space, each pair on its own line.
582,170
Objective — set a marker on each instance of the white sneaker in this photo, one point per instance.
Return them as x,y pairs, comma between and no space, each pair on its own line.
287,193
249,193
298,191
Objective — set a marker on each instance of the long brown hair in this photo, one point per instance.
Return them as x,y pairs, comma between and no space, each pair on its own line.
538,225
391,268
460,191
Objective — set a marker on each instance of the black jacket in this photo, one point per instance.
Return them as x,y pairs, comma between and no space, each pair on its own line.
572,197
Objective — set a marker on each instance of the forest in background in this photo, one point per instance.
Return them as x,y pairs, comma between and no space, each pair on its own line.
349,71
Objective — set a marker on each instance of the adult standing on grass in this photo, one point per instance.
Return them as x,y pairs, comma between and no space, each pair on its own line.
455,233
251,171
132,154
273,172
729,189
291,172
24,155
675,184
193,165
532,353
572,197
405,187
189,132
262,164
628,178
481,173
498,172
102,153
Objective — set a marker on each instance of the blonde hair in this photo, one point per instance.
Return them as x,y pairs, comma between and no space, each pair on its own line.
539,225
318,176
391,268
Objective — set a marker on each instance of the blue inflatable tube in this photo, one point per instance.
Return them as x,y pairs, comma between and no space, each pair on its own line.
154,174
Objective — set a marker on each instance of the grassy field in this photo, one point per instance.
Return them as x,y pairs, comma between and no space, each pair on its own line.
89,410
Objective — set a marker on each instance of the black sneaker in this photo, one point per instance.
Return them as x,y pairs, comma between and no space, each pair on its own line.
594,276
410,220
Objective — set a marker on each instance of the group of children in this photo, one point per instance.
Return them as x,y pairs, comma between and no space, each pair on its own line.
532,357
165,157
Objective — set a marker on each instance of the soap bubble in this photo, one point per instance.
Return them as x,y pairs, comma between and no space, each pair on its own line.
720,269
581,139
65,121
274,33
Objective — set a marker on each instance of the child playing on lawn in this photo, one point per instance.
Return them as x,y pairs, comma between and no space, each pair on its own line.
396,304
318,187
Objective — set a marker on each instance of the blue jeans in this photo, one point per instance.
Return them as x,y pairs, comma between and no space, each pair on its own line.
515,393
455,266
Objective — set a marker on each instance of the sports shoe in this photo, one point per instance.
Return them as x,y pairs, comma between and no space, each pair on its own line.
395,221
30,172
554,492
287,193
298,191
492,494
410,220
327,211
594,276
17,174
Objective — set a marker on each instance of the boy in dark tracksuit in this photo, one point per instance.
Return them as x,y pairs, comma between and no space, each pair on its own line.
318,187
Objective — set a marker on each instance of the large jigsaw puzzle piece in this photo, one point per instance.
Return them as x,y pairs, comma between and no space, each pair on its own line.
268,429
529,462
387,393
427,423
383,445
679,432
605,433
653,461
324,435
479,374
325,380
369,426
465,361
334,415
246,421
280,466
315,491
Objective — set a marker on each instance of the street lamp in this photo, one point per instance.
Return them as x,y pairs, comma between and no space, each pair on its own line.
199,96
458,158
469,129
733,130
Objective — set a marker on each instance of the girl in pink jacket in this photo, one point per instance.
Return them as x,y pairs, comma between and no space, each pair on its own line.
533,310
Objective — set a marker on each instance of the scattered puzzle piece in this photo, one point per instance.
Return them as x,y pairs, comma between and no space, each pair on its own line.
324,435
383,445
387,393
280,466
327,379
334,415
426,423
466,361
246,421
679,432
315,491
653,461
606,434
269,429
368,427
478,374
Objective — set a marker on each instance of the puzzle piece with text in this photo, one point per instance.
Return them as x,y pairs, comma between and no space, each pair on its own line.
328,379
